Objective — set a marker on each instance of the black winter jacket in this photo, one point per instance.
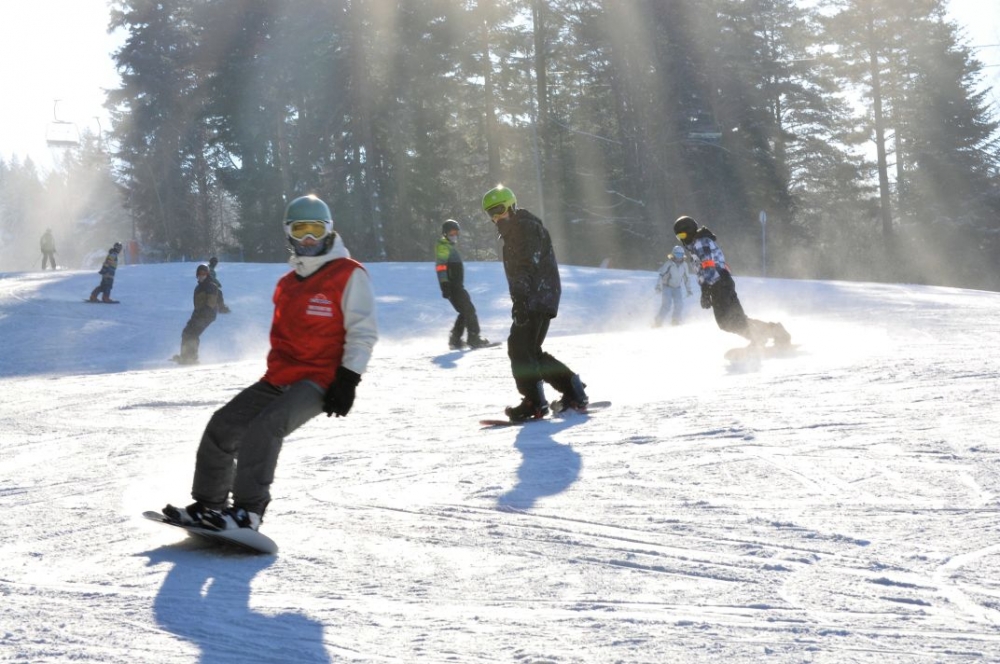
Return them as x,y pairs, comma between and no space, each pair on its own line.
530,264
206,300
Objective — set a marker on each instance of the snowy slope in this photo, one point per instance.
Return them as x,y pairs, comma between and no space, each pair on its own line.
837,506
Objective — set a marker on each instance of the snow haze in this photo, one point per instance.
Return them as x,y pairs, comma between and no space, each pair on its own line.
835,506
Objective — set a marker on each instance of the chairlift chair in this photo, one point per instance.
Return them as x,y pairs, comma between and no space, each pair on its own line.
61,133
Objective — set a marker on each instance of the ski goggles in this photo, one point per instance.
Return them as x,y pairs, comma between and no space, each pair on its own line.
497,210
299,230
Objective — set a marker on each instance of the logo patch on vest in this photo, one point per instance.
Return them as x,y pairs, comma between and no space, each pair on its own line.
319,305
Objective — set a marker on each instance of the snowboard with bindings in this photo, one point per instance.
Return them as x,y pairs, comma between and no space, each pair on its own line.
492,344
89,301
244,538
554,409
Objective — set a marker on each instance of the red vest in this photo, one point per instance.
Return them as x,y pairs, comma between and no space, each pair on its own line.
307,332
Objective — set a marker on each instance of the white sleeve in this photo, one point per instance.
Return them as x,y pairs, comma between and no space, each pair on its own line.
361,328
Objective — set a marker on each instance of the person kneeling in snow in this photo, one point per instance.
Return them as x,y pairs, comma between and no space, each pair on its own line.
322,335
718,290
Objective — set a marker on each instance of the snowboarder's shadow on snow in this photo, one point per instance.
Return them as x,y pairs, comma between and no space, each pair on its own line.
205,599
547,467
449,360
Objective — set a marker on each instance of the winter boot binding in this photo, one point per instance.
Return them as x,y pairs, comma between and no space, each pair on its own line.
456,343
192,515
780,335
527,410
575,397
233,518
478,342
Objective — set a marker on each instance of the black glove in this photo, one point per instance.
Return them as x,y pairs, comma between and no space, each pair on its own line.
446,290
339,396
706,299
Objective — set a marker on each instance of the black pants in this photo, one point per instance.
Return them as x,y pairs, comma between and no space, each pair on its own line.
48,257
105,287
467,318
729,312
529,363
191,335
250,428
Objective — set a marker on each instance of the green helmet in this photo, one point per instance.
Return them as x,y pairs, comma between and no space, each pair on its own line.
309,217
497,196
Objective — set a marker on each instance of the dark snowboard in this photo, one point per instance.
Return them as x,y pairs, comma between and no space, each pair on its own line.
591,408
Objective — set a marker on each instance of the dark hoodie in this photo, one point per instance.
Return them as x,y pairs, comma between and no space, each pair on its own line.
530,264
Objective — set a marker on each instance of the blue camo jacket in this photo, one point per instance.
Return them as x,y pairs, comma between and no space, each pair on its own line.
708,257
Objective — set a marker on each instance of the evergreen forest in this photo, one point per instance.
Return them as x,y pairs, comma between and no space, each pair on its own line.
820,139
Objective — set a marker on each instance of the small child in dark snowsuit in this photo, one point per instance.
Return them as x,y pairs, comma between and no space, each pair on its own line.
718,290
451,279
206,305
107,273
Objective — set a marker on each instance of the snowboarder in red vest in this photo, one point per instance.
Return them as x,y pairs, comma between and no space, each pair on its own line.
322,335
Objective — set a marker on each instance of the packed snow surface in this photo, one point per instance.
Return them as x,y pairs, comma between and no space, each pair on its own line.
838,505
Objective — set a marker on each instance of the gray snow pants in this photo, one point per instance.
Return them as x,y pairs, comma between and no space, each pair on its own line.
240,446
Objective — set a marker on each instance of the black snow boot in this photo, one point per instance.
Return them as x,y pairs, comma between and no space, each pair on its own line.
532,407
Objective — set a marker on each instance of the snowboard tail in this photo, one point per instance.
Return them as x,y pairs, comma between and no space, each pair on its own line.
752,353
247,539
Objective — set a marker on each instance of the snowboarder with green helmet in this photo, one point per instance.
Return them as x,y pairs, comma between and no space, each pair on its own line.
533,280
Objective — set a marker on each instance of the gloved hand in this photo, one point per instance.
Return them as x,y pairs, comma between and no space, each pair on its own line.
339,396
706,299
446,290
659,288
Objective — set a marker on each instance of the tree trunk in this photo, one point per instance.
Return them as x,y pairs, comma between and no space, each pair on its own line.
885,200
492,140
